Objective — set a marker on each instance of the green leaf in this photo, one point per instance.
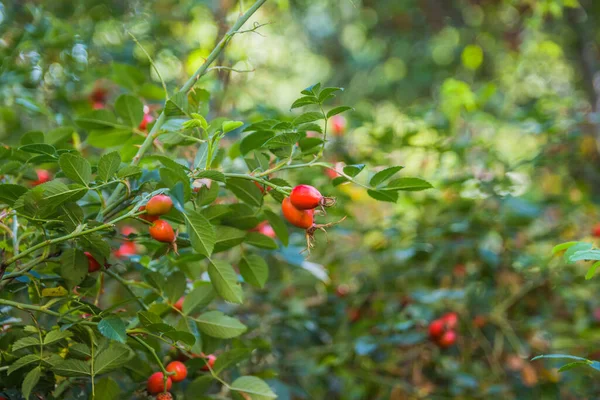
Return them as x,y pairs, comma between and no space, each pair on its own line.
26,342
353,170
112,357
560,356
76,168
72,368
408,184
198,387
259,240
73,266
230,358
218,325
108,389
212,175
381,195
130,108
198,298
278,226
572,365
148,318
312,90
254,269
590,273
31,379
174,290
579,246
23,361
108,165
327,92
177,105
229,126
225,281
109,138
585,255
39,148
56,335
97,119
245,190
338,110
9,193
254,141
283,140
32,137
201,232
181,336
129,171
113,328
253,386
228,237
384,175
304,101
308,117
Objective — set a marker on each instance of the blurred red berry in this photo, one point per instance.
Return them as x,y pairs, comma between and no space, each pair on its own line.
156,383
338,125
436,328
447,339
43,176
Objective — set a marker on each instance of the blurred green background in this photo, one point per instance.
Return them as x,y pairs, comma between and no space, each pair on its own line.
496,102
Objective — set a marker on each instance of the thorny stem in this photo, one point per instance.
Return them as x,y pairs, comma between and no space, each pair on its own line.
154,132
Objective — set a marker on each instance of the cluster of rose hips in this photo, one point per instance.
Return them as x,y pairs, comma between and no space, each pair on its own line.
160,230
178,372
443,330
299,209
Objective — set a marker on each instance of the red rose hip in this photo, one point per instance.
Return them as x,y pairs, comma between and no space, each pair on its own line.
162,231
300,218
159,205
180,371
93,265
156,383
447,339
210,362
436,328
306,197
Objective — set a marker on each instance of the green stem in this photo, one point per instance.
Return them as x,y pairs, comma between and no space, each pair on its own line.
127,287
259,180
156,357
186,87
73,235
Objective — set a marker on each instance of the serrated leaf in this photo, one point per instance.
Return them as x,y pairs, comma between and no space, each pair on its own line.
148,318
585,255
73,266
218,325
108,389
97,119
112,357
255,140
113,328
304,101
327,92
56,335
261,241
201,232
228,237
312,90
253,386
212,175
108,165
408,184
229,126
198,298
308,117
31,379
382,195
229,358
338,110
254,269
225,281
353,170
282,140
278,226
72,368
181,336
590,273
245,190
130,108
23,361
76,168
174,290
129,171
109,137
384,175
9,193
39,148
26,342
